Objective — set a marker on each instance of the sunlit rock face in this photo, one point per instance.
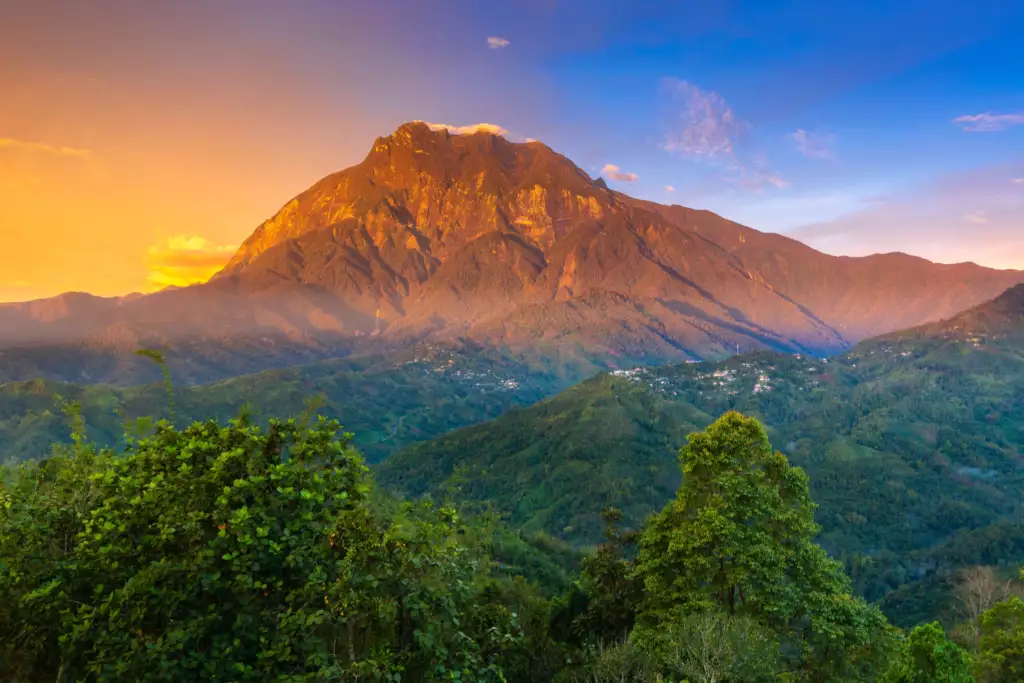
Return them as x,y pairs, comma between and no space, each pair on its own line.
446,235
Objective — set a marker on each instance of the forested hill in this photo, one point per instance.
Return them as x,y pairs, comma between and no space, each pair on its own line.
910,441
387,400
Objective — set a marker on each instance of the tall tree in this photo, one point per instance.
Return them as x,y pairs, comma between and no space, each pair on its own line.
739,539
1001,646
928,656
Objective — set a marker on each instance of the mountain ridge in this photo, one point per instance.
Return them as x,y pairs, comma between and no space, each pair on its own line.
436,236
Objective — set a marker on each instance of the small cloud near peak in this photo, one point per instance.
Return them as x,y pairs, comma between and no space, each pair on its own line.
989,122
44,148
496,42
669,189
492,128
615,173
1018,181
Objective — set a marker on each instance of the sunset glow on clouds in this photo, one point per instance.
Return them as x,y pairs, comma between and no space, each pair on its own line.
185,260
491,128
613,172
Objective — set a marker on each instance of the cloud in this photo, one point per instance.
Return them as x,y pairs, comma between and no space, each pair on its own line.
813,145
1018,181
614,173
44,148
184,260
491,128
976,217
669,188
756,181
496,42
705,128
988,122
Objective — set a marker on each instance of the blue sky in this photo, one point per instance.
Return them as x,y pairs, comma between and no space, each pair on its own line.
858,127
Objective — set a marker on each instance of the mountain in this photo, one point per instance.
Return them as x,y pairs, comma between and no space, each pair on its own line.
443,237
913,441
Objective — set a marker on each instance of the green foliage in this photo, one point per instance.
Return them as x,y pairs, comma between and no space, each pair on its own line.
928,656
1001,647
601,609
234,553
738,539
910,444
389,400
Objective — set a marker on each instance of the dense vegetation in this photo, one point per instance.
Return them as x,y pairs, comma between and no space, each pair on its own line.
389,400
227,552
912,443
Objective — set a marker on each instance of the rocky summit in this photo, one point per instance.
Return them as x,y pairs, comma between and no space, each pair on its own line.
441,236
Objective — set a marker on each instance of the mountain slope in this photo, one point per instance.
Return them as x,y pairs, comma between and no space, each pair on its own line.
910,440
435,236
387,400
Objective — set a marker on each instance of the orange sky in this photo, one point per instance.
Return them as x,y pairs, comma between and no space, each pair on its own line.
142,141
155,194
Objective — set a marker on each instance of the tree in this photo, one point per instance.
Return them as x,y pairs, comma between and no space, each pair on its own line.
738,539
234,553
601,608
1001,646
928,656
978,589
711,647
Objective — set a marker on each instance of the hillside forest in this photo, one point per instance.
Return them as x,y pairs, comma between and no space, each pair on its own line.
226,551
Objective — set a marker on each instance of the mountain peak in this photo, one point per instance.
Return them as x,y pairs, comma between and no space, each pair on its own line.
461,230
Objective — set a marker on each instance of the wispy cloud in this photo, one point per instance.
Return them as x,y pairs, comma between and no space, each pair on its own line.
44,148
613,172
184,260
756,180
988,122
669,189
497,42
705,128
492,128
1018,181
976,217
813,145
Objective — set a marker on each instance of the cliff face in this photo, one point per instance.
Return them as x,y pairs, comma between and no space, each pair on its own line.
442,236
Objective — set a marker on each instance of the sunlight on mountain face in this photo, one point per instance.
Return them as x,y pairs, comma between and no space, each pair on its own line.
716,379
184,260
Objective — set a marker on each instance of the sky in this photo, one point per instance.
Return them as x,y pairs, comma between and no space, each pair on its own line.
141,142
